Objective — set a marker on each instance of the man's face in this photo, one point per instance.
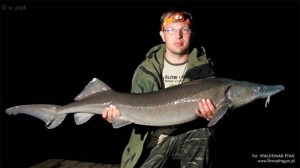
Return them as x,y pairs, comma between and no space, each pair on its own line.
177,36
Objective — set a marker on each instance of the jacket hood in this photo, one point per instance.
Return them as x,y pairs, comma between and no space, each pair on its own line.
158,48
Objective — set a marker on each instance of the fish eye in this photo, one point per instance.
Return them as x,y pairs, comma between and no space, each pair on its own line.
261,89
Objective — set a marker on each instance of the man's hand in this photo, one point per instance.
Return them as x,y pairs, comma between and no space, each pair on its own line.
110,112
206,109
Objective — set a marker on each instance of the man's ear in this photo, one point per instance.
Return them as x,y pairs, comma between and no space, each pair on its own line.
162,35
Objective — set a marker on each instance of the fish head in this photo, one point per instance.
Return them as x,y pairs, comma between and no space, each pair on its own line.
242,93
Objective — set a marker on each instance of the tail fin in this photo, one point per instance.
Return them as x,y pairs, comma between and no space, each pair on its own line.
47,113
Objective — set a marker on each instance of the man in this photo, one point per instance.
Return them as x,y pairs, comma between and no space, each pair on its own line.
166,65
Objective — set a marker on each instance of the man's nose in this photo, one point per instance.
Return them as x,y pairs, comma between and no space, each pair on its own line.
178,33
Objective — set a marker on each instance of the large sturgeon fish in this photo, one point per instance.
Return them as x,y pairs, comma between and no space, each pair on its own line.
166,107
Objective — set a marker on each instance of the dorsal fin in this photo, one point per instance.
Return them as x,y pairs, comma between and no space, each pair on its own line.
94,86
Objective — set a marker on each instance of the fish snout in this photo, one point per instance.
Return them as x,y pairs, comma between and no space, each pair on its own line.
270,90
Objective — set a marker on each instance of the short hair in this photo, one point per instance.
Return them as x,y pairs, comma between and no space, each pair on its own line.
175,15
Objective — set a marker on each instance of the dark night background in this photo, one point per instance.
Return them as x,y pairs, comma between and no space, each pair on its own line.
50,50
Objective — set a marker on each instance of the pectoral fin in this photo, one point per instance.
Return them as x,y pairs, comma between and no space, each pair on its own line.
218,115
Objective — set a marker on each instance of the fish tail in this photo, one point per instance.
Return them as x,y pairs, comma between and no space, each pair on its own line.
47,113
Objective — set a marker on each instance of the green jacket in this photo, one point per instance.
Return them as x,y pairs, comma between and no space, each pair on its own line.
147,78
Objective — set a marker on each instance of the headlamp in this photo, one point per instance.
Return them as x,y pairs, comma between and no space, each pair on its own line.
176,17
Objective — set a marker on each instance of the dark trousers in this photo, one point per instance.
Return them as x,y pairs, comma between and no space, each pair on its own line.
191,148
